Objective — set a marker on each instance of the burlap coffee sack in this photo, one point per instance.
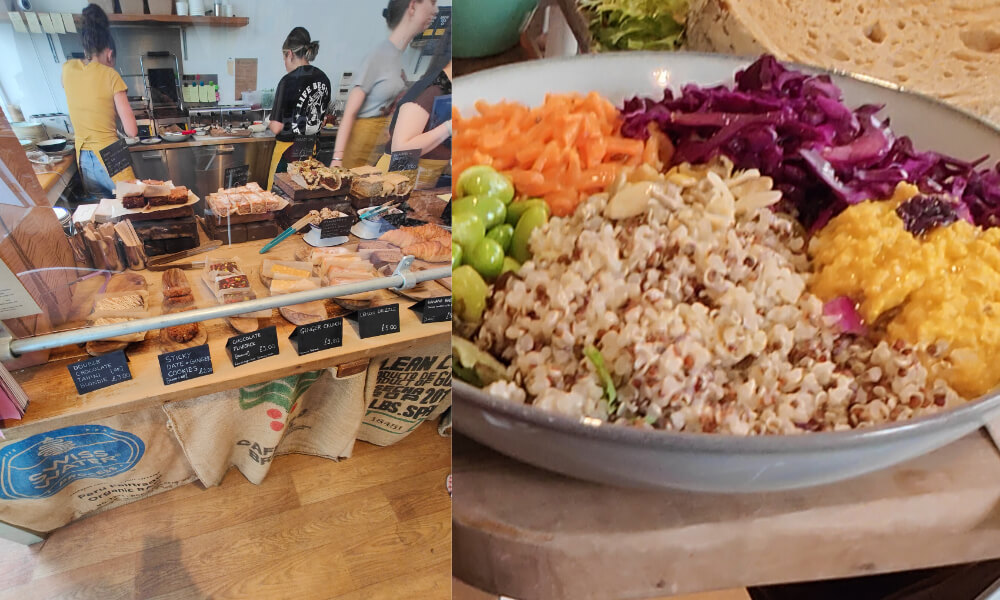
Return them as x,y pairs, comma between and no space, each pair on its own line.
53,478
313,413
404,390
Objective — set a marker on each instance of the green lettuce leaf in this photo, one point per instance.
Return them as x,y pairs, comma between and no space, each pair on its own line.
636,24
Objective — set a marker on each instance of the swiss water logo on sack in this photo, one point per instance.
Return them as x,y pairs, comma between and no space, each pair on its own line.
42,465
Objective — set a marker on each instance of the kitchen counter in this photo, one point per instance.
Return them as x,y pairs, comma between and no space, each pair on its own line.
57,177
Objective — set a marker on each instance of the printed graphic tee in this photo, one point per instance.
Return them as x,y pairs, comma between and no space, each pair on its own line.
301,101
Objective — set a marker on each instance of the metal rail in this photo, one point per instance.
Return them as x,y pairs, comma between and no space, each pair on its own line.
403,278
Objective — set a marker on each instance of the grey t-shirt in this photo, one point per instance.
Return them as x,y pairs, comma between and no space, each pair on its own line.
381,80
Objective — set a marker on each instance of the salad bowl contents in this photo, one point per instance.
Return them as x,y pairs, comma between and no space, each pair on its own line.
755,260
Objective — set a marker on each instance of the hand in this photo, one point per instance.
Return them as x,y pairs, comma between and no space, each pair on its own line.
447,125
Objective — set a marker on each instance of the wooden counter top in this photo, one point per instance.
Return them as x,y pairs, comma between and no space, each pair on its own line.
533,534
62,169
54,401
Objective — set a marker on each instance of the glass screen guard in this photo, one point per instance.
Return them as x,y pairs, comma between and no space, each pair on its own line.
401,279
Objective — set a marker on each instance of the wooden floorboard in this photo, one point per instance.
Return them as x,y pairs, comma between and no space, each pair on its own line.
376,525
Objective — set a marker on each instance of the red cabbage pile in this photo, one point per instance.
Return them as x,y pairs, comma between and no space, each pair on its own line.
822,155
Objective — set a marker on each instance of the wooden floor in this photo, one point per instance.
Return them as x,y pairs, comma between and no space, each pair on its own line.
375,526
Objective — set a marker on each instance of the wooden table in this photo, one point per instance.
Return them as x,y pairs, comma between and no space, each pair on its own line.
54,401
531,534
56,177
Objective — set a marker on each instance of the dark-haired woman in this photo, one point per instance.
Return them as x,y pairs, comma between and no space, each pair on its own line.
301,99
96,95
411,127
363,131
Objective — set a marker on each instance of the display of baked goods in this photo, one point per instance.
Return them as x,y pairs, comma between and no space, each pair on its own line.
249,199
430,243
178,297
150,192
318,216
312,175
226,278
396,184
125,298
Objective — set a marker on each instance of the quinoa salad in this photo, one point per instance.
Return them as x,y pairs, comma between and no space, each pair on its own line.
711,297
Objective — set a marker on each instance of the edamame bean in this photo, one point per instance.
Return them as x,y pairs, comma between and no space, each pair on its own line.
469,293
467,229
487,258
531,219
483,180
502,234
516,209
456,255
491,210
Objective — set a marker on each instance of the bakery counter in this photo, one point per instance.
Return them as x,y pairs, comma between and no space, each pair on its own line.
201,165
53,395
56,177
203,141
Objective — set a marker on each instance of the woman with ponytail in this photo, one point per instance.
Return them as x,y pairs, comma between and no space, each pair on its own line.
96,95
363,131
301,100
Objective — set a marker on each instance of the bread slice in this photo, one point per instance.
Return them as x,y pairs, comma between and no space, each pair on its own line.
948,49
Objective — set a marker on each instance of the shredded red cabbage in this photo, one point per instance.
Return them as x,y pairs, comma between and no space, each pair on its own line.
822,156
848,318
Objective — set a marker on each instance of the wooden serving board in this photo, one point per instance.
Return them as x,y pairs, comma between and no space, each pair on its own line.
296,192
510,518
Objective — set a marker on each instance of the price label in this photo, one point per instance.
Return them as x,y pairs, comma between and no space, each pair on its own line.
433,310
253,346
237,176
100,372
380,320
302,147
404,160
182,365
324,148
116,157
318,336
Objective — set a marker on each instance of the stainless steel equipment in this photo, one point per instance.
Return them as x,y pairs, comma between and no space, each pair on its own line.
203,168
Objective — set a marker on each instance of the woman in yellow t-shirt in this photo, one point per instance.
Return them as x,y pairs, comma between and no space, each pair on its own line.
96,94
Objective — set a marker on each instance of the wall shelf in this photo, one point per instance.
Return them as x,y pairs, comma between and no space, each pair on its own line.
182,20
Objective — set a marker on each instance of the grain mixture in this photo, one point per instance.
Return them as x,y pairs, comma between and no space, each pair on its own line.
695,293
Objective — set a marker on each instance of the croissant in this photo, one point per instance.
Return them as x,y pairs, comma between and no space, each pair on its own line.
399,237
429,251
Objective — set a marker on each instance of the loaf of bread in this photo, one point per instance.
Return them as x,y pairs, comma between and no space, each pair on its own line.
948,49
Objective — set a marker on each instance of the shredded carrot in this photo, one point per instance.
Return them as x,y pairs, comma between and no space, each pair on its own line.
562,151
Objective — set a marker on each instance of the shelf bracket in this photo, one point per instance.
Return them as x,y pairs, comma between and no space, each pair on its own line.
403,270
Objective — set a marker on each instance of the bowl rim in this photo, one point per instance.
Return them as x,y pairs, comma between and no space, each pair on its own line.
974,410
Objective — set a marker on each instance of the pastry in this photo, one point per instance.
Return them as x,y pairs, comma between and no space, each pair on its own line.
175,283
132,202
429,251
178,195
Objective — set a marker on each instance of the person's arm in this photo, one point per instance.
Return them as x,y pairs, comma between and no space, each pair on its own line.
125,114
409,133
277,118
355,99
276,127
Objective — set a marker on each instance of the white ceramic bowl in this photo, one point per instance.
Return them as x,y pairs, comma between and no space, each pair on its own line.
710,462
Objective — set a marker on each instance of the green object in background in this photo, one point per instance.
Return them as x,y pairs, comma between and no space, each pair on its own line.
486,27
636,24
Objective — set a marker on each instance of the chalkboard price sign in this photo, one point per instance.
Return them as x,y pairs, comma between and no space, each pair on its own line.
433,310
302,147
237,176
100,372
253,346
182,365
404,160
324,148
116,157
318,336
380,320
